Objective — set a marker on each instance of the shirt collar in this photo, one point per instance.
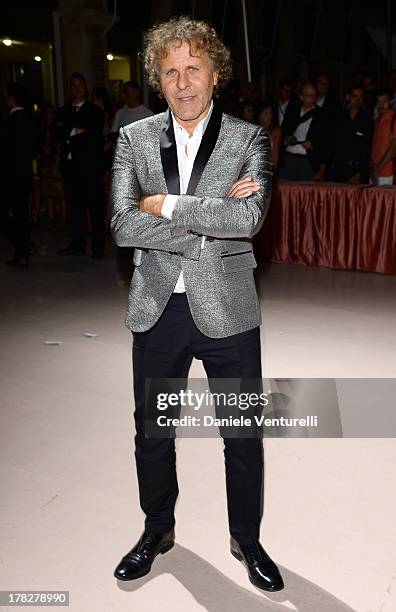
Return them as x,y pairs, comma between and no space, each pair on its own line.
181,134
15,108
79,104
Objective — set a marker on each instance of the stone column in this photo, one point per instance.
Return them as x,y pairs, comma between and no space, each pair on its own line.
84,48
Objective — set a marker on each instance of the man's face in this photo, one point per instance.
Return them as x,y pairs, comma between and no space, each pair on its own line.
265,116
383,103
308,96
78,89
356,98
285,93
187,82
322,84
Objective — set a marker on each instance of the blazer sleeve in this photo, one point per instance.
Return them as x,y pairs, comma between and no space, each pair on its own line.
131,227
225,217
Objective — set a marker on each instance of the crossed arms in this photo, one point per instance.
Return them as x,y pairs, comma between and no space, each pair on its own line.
235,215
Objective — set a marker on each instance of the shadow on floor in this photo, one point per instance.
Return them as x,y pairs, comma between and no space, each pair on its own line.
217,593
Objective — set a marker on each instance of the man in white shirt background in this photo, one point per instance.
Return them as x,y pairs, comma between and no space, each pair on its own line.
305,134
132,109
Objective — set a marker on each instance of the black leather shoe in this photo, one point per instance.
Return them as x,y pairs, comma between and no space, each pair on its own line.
137,562
262,571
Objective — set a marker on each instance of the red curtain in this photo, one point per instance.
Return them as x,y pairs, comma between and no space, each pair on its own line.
334,225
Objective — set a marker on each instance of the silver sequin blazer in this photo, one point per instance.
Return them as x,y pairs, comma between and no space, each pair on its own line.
219,279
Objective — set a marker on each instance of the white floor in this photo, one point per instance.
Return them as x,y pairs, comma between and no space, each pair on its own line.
69,508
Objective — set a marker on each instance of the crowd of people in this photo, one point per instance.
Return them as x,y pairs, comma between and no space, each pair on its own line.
60,159
317,136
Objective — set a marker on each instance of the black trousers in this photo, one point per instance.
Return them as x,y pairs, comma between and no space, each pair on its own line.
167,350
15,212
84,189
295,168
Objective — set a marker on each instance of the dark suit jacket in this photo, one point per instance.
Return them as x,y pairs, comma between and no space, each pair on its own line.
86,149
275,112
318,134
16,146
333,107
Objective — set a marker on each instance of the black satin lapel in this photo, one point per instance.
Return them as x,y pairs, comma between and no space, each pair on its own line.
208,143
169,154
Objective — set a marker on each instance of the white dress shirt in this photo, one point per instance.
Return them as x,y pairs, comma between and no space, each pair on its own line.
73,132
126,115
301,135
15,108
187,148
282,107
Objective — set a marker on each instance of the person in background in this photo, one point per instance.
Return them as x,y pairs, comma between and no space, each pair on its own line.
352,142
79,127
50,180
253,97
370,93
305,139
266,119
132,110
283,102
248,113
392,89
326,99
383,151
16,173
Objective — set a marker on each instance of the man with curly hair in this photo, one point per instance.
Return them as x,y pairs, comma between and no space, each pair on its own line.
190,187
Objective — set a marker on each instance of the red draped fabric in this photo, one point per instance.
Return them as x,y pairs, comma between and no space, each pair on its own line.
334,225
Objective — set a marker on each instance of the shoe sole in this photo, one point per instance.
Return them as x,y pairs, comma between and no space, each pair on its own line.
240,558
146,571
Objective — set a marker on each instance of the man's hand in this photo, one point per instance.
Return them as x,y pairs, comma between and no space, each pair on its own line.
78,131
355,179
319,176
243,188
152,204
307,144
374,174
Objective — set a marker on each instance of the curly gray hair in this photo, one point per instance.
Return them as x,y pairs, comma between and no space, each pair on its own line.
198,34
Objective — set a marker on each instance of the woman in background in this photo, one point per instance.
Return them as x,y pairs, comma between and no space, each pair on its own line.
266,121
